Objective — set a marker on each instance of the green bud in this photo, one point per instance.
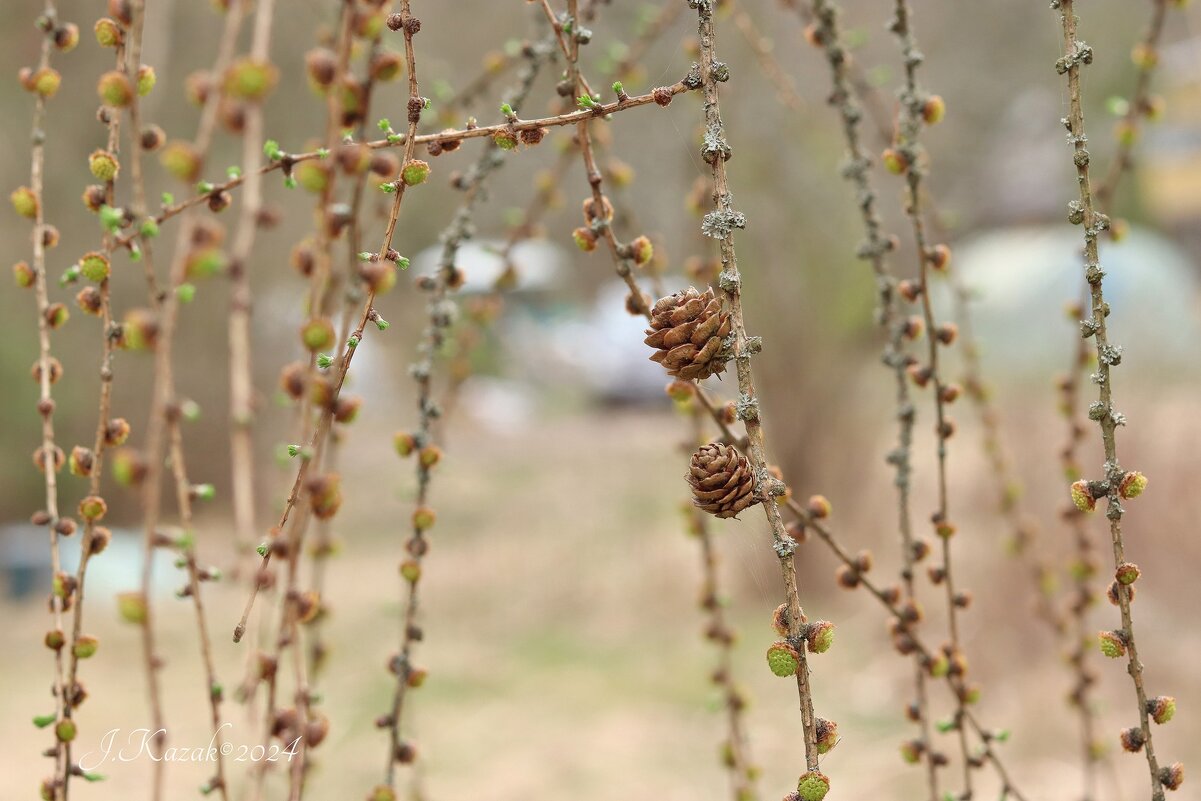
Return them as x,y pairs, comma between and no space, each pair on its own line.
85,647
94,266
104,165
783,659
132,607
813,786
415,172
65,730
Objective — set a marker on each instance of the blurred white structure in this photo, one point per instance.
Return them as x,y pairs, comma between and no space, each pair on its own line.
1022,278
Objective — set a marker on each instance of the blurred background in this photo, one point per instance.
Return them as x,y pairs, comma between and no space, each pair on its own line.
564,645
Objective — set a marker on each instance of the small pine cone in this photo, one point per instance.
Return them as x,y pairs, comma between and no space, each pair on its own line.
721,480
686,332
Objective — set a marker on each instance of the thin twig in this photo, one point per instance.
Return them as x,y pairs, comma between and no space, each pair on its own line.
427,454
720,224
1116,483
875,248
763,48
905,638
511,127
48,451
1146,57
736,748
162,433
109,335
1084,565
241,383
915,108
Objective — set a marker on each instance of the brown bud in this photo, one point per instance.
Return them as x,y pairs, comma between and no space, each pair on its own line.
591,212
1172,776
1127,573
56,370
101,537
406,752
920,550
1132,739
532,136
346,409
321,65
1161,708
153,137
847,577
95,196
292,380
116,432
939,257
385,65
39,459
197,87
219,201
863,561
232,114
909,290
818,507
779,620
919,375
285,722
911,611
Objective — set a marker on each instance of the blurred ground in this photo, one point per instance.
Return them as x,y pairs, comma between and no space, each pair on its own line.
565,649
559,599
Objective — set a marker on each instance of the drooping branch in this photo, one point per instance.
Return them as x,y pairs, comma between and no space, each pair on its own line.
108,431
1116,484
720,224
422,443
907,157
164,437
825,32
30,202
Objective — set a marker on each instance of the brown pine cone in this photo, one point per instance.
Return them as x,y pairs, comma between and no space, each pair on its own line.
686,332
721,480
